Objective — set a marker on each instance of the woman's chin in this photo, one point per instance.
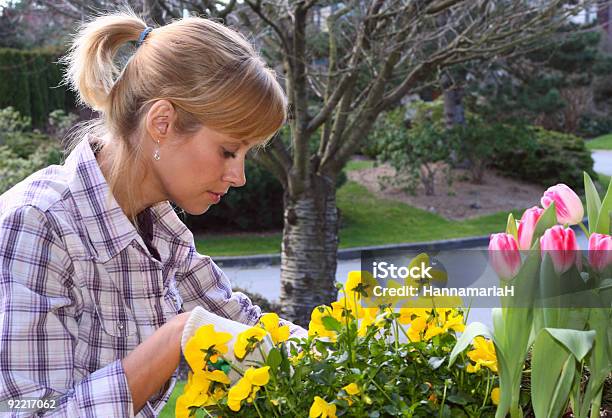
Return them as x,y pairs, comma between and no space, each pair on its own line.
194,209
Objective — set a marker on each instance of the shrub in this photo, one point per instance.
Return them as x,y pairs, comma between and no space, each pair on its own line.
592,126
12,121
477,140
388,125
414,153
60,122
546,157
23,152
14,168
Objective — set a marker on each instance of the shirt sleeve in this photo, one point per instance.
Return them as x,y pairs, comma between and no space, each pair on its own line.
202,282
38,329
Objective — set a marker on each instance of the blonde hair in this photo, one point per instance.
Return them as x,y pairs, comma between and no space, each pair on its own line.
210,73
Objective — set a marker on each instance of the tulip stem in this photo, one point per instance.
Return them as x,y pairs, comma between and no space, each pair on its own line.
586,231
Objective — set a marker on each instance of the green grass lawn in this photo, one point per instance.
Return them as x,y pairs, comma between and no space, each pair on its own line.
358,165
366,221
601,142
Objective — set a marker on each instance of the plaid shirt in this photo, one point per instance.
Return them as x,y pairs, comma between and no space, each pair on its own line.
79,290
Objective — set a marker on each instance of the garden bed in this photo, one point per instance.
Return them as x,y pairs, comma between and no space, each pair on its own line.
459,201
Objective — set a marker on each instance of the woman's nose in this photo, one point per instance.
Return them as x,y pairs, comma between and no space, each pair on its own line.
235,174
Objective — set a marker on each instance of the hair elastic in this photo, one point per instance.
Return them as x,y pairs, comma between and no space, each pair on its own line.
143,35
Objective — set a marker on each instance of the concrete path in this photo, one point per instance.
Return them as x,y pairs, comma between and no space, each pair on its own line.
603,161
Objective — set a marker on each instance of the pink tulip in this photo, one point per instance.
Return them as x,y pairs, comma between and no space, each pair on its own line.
562,247
600,251
527,226
504,255
568,204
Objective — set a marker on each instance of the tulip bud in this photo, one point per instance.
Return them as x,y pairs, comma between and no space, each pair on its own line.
567,203
562,247
527,226
600,251
504,255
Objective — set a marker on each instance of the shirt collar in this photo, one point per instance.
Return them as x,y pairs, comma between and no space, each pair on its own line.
109,229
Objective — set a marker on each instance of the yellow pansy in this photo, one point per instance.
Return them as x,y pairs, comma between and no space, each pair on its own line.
373,316
417,261
482,355
423,328
320,408
416,329
353,281
359,286
247,386
217,376
454,321
406,315
237,393
432,331
495,396
296,359
351,389
345,306
369,318
205,338
195,393
270,323
316,327
247,341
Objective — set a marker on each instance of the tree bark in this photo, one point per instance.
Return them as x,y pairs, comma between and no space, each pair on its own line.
453,107
309,249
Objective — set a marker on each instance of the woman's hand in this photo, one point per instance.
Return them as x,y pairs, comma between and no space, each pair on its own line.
200,316
151,364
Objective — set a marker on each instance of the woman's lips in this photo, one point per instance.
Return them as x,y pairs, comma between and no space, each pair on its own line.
215,196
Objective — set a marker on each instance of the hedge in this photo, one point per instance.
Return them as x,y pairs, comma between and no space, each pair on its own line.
30,82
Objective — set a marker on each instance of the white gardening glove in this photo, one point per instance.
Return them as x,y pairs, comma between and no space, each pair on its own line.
200,316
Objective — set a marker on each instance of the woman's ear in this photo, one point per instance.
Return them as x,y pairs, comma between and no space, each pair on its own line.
160,120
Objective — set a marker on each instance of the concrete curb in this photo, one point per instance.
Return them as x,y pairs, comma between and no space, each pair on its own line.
262,260
353,253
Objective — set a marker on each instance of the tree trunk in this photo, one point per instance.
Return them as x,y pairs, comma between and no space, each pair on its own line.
453,107
309,250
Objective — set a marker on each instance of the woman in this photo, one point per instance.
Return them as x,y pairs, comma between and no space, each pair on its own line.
98,276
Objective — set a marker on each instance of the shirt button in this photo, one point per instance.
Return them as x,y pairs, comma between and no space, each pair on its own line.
120,326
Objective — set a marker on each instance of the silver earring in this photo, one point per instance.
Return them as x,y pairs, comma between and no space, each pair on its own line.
156,156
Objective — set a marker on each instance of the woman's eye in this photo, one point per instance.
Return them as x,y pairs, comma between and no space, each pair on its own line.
228,154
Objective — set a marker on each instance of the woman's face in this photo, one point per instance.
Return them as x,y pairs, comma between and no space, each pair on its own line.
195,171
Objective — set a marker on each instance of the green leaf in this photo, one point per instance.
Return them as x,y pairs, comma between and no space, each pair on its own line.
331,324
603,220
274,358
547,220
511,227
460,398
593,202
473,330
600,360
578,342
552,375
